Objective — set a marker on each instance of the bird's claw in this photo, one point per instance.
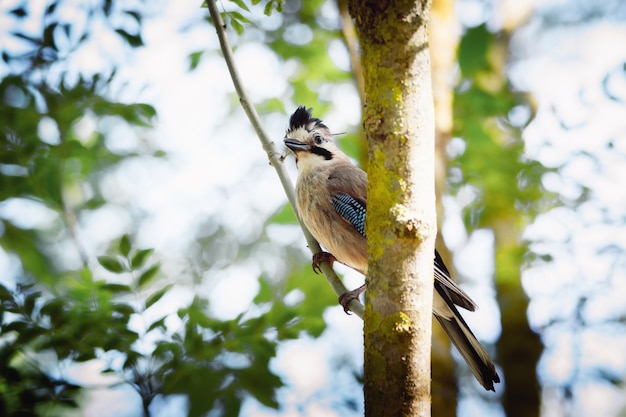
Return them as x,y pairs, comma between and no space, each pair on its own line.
321,257
346,298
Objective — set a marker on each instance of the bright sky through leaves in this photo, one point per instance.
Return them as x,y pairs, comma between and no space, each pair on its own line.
216,172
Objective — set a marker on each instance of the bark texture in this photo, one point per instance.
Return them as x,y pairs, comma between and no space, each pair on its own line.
401,225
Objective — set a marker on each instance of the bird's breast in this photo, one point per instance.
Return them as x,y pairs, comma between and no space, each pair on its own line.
331,230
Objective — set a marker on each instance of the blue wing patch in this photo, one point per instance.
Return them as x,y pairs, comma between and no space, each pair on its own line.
351,210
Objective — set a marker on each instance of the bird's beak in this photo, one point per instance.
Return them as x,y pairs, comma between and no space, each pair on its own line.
295,145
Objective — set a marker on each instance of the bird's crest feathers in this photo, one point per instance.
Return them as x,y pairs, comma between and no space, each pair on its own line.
311,140
303,118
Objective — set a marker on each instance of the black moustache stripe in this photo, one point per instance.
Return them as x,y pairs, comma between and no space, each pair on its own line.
322,152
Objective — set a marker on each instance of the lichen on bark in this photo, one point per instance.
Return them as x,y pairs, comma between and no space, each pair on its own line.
401,226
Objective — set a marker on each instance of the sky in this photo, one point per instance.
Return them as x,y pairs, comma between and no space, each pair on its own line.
216,157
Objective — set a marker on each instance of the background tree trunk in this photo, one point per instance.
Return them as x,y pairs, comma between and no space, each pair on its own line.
401,225
494,163
519,347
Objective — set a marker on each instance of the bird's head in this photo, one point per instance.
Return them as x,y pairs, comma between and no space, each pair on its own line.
310,140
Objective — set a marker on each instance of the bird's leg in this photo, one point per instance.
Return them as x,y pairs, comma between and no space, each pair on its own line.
321,257
347,297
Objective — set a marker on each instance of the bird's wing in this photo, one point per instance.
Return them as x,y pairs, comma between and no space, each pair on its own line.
351,210
451,289
347,185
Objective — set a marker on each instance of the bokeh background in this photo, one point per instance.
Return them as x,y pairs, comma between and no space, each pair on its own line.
150,265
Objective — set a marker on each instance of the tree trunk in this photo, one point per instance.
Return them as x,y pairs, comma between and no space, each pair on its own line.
401,225
519,348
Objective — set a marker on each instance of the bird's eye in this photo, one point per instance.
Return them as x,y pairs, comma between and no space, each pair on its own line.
318,139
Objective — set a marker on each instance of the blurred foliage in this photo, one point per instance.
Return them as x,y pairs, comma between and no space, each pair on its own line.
237,20
591,272
507,194
59,33
301,39
493,162
56,312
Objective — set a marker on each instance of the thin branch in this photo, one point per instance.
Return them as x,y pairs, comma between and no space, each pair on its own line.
275,157
352,43
69,216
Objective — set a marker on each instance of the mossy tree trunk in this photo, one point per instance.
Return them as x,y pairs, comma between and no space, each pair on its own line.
401,225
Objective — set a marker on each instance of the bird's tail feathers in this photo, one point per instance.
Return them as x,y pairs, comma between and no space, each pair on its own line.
472,351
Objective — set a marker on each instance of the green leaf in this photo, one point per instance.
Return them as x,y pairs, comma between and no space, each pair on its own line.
261,384
112,264
86,275
140,257
17,326
19,12
125,310
237,26
145,112
197,317
272,105
133,40
136,15
241,4
30,301
285,215
194,59
5,294
124,245
352,145
54,308
156,296
239,17
48,36
266,292
34,40
159,323
473,50
131,359
117,288
148,275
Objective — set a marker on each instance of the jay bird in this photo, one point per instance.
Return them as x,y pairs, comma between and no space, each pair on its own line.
331,200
